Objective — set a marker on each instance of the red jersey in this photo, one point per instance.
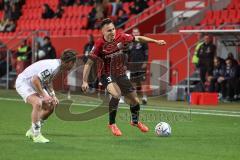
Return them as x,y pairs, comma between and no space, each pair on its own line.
112,53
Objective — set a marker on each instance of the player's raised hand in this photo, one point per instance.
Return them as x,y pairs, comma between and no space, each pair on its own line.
85,86
161,42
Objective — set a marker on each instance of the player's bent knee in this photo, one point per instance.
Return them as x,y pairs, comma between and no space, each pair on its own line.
114,90
116,96
37,105
134,101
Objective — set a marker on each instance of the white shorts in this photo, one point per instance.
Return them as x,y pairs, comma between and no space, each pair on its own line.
24,88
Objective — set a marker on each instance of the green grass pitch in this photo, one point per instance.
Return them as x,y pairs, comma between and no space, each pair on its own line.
195,136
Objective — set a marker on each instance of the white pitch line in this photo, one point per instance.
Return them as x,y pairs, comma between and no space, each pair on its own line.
11,99
191,112
156,109
212,110
205,110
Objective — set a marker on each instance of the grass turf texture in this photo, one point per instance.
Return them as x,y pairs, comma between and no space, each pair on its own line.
201,137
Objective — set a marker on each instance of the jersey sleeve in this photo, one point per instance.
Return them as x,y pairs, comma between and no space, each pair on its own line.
96,50
128,37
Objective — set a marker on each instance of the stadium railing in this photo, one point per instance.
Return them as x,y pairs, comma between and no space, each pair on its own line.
147,13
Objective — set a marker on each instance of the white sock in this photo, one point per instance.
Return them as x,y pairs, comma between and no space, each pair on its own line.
42,122
121,99
144,97
36,128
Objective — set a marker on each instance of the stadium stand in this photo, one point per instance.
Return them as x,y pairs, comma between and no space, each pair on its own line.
74,20
227,18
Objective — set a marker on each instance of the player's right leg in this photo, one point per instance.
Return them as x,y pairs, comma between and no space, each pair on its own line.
35,131
115,92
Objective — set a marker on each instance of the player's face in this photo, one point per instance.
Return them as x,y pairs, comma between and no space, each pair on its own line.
109,32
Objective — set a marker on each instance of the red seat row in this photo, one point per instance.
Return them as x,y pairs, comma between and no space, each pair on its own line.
35,3
227,18
73,21
235,4
220,17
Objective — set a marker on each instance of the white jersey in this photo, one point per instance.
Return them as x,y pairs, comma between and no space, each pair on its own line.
46,70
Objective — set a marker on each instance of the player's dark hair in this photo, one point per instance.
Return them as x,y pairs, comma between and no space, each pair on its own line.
105,22
69,55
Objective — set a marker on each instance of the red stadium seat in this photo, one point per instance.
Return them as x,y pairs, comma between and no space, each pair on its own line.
61,33
225,15
76,32
232,14
68,32
74,17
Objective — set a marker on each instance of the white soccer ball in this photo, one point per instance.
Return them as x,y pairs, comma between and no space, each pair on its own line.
163,129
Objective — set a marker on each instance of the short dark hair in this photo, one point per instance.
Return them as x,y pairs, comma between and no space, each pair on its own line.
69,55
105,21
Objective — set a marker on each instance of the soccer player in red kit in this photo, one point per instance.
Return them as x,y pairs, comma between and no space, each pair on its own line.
110,48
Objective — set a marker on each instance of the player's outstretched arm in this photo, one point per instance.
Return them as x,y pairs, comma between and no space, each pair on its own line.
149,40
86,71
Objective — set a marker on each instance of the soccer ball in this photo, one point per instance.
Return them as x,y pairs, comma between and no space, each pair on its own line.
163,129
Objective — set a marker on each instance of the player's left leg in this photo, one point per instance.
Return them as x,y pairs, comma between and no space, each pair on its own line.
133,100
137,79
140,89
46,111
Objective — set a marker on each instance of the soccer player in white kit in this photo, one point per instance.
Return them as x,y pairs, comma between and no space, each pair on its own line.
34,85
